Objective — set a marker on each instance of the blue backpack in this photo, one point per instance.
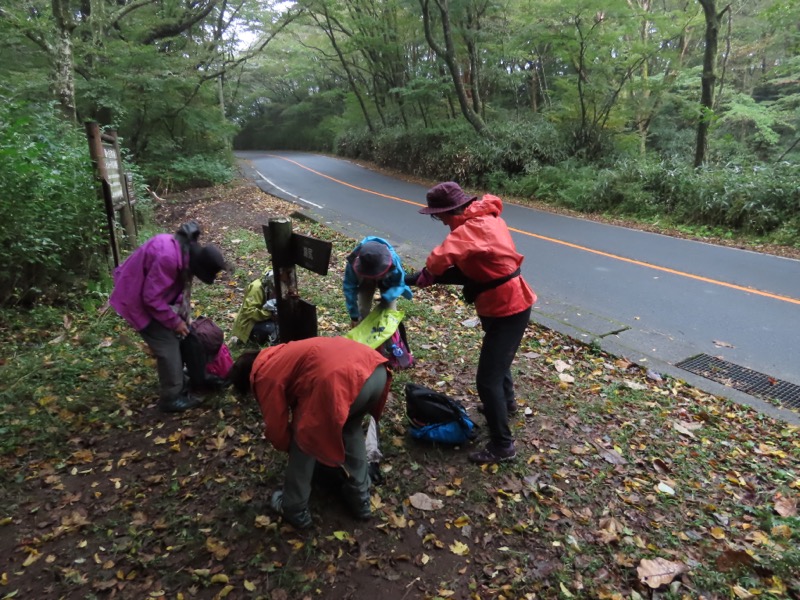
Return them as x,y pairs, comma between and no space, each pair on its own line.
436,417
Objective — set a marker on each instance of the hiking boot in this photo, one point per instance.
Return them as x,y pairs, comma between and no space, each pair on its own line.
299,518
178,403
512,408
357,502
493,454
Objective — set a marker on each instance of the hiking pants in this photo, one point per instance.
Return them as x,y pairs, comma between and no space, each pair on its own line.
166,347
300,470
366,295
501,338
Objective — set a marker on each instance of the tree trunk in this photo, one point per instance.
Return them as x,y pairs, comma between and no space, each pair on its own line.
708,79
448,55
63,74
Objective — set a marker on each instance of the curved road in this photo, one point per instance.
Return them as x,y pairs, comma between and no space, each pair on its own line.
654,299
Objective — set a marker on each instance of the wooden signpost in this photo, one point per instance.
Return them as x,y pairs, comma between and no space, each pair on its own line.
297,319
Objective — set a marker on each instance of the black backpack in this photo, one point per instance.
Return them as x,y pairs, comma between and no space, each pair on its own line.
437,417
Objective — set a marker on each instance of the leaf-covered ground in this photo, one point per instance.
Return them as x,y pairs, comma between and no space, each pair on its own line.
626,485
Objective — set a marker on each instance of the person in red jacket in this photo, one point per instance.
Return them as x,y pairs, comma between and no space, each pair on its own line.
479,253
314,394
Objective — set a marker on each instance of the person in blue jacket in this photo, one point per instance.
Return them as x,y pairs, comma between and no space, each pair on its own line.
373,264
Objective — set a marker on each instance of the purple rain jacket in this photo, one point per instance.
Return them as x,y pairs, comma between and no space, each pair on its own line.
149,282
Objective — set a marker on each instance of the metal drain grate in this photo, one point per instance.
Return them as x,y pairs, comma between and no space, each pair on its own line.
743,379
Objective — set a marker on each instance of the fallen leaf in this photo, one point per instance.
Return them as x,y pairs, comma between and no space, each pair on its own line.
459,548
657,572
611,456
741,592
786,507
730,560
561,366
717,533
217,548
425,502
719,344
665,489
634,385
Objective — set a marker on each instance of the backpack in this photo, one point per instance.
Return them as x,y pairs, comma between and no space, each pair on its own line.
205,347
396,350
436,417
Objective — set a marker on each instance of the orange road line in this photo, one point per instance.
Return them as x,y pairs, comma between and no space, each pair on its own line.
632,261
640,263
344,183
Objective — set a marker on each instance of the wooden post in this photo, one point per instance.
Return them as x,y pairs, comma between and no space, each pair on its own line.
293,314
297,319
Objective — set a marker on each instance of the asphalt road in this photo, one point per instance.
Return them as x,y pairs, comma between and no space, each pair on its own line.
654,299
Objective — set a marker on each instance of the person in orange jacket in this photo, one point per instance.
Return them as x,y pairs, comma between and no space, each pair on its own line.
480,253
314,394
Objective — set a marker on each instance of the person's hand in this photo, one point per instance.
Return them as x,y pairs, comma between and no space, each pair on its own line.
411,278
182,330
425,278
354,323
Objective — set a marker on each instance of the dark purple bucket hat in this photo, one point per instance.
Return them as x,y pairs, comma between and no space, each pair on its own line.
444,197
373,260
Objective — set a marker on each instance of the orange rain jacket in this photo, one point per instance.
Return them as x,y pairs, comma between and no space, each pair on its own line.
305,390
480,244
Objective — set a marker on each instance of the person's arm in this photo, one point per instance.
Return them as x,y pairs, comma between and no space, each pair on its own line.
350,289
450,253
158,285
394,285
271,396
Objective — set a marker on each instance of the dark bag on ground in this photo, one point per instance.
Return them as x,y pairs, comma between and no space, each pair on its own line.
436,417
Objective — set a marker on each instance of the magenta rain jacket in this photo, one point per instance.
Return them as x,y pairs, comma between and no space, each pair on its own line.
149,282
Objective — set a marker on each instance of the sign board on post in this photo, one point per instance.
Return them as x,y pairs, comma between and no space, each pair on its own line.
297,319
104,150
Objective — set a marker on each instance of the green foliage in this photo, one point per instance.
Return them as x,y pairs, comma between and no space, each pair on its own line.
456,152
53,223
755,201
191,171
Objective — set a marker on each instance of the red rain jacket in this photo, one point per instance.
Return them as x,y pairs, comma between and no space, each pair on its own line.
305,390
480,244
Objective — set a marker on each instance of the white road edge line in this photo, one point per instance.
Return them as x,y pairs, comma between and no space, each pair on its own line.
299,199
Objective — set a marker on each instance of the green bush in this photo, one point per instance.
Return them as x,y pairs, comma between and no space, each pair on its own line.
455,151
53,225
199,171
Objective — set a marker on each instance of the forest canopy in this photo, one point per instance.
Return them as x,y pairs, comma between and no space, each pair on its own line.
677,110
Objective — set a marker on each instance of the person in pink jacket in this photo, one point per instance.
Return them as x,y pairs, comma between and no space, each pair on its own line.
480,254
314,395
151,292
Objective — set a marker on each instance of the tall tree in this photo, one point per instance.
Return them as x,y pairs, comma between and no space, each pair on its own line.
709,77
446,50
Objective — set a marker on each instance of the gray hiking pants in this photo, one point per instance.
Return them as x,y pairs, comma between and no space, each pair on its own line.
166,347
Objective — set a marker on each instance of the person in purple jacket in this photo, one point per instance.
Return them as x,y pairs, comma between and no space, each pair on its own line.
151,292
